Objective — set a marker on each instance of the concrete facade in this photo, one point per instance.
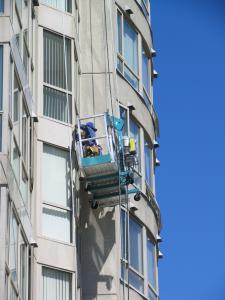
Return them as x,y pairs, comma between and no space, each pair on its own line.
40,234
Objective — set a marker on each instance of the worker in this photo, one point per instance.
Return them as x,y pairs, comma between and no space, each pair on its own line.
90,147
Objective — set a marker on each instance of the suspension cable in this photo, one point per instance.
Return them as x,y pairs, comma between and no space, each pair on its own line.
126,225
69,119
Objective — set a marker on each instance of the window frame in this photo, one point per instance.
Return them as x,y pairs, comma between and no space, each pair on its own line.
148,143
137,170
67,92
1,93
124,260
125,267
121,64
147,95
150,286
16,130
16,284
2,7
121,56
55,205
146,9
44,2
55,269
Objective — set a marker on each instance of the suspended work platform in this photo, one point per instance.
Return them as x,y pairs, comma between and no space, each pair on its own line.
103,158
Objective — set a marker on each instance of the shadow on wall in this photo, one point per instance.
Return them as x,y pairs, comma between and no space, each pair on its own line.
97,233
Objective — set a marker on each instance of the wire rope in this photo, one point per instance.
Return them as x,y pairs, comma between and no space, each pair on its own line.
126,225
69,120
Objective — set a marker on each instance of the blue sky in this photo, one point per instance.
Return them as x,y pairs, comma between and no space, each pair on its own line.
189,36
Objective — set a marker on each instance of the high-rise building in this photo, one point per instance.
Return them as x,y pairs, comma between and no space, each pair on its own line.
78,140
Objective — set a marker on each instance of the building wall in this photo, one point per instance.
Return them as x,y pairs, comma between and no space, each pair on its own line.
88,264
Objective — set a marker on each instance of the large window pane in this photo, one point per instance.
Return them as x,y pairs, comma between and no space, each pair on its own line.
57,58
1,6
57,73
145,72
13,255
19,7
151,263
119,33
148,164
64,5
24,133
16,161
123,235
56,223
56,176
56,284
130,47
124,117
1,88
12,293
24,187
0,132
136,281
145,7
23,268
151,295
16,109
57,105
135,134
136,250
1,75
130,77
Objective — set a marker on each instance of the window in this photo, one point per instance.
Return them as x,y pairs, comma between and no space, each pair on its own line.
13,254
24,187
57,77
13,295
135,134
145,4
1,6
151,295
25,34
56,193
24,133
124,115
132,130
148,164
135,252
64,5
1,91
56,284
146,78
151,263
134,272
23,268
127,46
19,7
16,109
16,161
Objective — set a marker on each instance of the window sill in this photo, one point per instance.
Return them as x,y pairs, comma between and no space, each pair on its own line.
56,241
57,121
58,10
